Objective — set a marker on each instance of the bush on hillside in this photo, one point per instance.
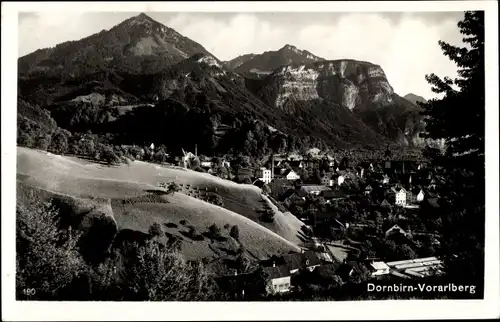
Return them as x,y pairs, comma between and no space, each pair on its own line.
107,154
155,230
235,232
268,216
191,233
171,225
215,199
214,230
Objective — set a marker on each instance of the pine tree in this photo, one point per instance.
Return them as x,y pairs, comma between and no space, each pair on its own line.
458,119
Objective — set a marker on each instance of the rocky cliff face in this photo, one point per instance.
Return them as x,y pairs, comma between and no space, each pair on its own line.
348,83
360,87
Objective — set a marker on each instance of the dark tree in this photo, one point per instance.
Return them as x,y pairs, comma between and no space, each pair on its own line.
458,119
214,230
155,230
235,232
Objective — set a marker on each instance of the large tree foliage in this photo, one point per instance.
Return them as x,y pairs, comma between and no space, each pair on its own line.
458,119
47,258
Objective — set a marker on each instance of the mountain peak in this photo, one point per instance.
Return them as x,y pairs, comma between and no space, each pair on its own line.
139,44
142,19
415,98
267,62
142,15
290,47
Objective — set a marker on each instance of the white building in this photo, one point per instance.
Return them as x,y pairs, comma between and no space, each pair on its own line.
206,164
279,279
379,268
420,196
336,179
401,197
265,175
291,175
418,267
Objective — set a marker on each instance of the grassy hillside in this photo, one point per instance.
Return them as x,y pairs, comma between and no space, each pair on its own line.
136,202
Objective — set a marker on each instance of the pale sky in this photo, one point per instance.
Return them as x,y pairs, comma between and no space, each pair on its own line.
405,45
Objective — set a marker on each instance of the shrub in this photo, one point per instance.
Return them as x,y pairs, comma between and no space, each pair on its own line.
171,187
215,199
171,225
235,232
164,276
59,142
268,216
43,141
107,155
47,258
155,230
214,230
183,222
226,226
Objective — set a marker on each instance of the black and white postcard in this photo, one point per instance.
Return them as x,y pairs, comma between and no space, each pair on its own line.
250,160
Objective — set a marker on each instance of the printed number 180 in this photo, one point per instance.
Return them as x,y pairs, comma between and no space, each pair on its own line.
29,291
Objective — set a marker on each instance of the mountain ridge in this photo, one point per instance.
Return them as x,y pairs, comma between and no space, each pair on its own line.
310,102
139,44
259,65
415,98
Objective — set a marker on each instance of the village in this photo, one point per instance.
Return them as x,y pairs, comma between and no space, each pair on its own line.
362,220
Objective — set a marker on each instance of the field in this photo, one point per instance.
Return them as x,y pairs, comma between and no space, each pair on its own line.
130,193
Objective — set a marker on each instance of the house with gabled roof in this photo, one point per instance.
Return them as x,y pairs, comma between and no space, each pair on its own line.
296,261
415,195
379,268
395,230
290,175
278,279
385,204
398,196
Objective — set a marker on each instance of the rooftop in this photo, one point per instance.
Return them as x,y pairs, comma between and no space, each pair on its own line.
277,271
311,188
379,265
